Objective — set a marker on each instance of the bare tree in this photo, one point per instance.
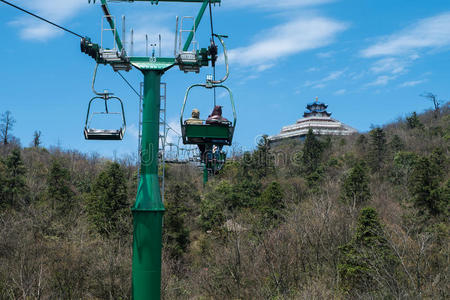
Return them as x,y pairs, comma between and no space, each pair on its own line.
6,126
37,138
436,102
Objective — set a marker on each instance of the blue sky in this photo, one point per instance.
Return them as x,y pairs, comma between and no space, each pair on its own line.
368,60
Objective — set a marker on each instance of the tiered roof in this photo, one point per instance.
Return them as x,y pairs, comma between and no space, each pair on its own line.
317,118
318,109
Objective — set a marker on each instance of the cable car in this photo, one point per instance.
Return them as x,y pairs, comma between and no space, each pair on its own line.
212,134
208,132
104,134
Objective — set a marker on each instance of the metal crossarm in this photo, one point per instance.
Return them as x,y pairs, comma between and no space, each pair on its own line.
195,26
111,24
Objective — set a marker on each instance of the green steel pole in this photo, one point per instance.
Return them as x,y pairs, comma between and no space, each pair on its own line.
197,22
148,210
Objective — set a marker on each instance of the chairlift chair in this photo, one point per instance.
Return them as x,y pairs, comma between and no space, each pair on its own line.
104,134
218,133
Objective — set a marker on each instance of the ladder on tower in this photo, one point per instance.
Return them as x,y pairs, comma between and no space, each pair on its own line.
141,97
162,135
162,139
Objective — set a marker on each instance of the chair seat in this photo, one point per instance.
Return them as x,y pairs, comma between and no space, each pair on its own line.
103,134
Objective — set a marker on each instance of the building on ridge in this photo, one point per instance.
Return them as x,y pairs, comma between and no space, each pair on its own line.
317,118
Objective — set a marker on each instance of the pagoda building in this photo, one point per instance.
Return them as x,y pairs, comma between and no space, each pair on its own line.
317,118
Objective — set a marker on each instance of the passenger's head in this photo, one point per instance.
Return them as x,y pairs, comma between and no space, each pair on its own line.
195,113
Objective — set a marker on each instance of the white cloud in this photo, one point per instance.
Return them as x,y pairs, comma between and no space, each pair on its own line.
382,80
55,11
223,95
333,75
340,92
431,32
264,67
412,83
319,86
325,54
270,4
288,39
133,131
389,65
330,77
357,75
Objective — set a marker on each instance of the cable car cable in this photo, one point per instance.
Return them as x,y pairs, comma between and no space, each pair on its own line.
40,18
213,42
129,84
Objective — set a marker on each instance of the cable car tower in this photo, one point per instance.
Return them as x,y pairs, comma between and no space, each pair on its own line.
148,209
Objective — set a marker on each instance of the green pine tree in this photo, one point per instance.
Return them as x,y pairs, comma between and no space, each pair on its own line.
244,192
214,206
367,259
261,159
377,149
361,143
59,189
396,144
271,201
176,233
413,122
2,184
403,165
424,187
355,186
107,203
312,153
439,163
14,182
445,196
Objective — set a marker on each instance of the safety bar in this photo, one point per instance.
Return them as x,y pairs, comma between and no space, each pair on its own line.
220,37
124,122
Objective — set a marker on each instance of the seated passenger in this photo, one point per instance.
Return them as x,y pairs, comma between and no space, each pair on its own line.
195,118
216,116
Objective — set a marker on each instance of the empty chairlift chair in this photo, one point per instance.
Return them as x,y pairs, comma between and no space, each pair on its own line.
104,134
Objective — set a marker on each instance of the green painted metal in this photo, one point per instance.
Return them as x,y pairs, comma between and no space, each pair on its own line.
148,210
209,130
207,134
152,63
112,25
197,22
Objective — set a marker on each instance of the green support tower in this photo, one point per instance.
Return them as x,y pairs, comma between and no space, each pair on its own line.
148,210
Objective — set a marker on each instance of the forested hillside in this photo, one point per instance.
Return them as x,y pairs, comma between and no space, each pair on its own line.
364,216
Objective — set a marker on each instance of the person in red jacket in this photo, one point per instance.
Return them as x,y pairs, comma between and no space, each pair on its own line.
216,116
